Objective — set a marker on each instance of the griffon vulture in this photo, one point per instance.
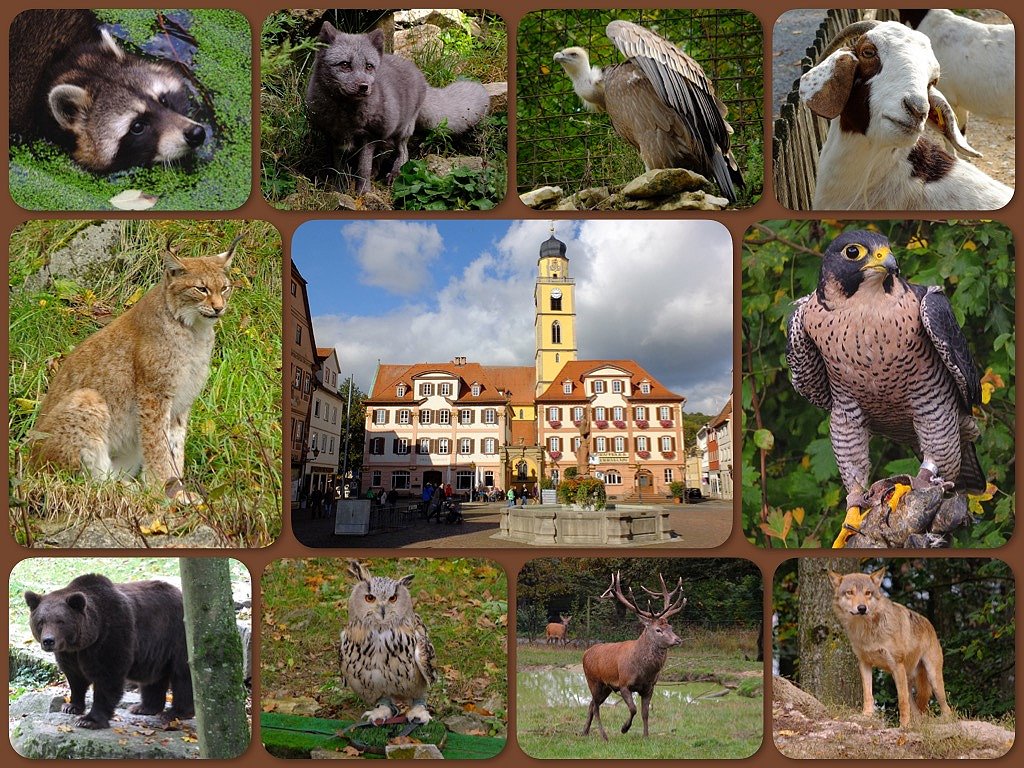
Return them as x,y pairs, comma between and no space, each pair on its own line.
661,102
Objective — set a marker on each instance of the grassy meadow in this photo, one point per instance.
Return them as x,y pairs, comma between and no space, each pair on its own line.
707,704
233,451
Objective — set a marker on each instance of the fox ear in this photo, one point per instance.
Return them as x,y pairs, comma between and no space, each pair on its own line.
377,39
877,576
327,32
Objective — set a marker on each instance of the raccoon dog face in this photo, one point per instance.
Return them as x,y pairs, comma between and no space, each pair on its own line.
350,62
122,110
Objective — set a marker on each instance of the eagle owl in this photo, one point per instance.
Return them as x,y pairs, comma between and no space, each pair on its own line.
385,653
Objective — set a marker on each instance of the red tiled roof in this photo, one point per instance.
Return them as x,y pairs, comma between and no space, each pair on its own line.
390,376
577,370
516,379
724,415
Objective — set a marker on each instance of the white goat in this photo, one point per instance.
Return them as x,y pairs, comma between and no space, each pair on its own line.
976,60
876,82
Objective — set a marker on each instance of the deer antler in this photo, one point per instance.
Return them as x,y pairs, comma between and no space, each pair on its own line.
674,601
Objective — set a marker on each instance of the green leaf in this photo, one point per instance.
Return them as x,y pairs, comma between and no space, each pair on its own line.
764,439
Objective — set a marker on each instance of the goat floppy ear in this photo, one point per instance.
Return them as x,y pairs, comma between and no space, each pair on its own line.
940,114
826,87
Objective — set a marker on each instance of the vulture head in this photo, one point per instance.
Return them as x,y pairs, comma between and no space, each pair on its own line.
586,80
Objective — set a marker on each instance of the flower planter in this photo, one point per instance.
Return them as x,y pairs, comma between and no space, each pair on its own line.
642,423
555,424
666,423
555,455
619,424
644,454
601,424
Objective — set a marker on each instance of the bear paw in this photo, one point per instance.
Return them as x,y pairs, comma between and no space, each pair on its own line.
93,722
73,709
141,709
418,714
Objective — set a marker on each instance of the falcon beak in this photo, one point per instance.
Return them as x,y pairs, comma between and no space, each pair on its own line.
882,260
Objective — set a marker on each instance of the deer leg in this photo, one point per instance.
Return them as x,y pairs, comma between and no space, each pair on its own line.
627,696
645,706
594,712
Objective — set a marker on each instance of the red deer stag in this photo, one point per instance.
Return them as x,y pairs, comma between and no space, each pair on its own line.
557,632
633,665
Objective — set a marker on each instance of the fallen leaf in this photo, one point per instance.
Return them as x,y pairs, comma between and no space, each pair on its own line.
133,200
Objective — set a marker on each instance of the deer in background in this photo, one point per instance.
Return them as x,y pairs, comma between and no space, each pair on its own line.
632,665
556,632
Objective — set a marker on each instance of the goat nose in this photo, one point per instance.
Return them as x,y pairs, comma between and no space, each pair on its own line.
916,106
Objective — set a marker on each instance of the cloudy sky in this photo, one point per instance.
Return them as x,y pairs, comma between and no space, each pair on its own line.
658,292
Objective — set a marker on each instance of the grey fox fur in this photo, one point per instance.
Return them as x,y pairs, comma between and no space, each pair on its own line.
362,97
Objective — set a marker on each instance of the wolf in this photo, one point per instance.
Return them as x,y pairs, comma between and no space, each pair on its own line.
71,83
892,637
363,98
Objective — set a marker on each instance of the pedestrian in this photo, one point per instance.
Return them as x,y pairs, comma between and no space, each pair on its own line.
448,491
511,496
522,497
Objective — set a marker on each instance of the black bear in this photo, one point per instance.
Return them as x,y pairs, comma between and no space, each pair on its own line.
104,634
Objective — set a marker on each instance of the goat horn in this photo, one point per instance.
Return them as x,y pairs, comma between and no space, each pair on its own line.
846,34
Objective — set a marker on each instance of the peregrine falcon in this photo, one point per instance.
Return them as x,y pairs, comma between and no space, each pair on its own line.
886,357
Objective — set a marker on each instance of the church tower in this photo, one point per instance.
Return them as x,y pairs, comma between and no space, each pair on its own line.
554,299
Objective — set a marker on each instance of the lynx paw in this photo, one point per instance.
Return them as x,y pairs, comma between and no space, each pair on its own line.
175,490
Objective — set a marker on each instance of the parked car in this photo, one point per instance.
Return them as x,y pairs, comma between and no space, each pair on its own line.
694,495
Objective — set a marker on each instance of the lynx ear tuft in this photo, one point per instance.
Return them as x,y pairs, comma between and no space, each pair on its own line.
172,264
229,254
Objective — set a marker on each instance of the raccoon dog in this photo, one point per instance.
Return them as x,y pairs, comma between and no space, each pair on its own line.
365,99
892,637
73,84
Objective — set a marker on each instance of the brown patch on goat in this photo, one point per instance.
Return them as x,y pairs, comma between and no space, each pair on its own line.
929,161
857,113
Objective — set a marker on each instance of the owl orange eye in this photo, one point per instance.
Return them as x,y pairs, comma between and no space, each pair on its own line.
393,598
370,599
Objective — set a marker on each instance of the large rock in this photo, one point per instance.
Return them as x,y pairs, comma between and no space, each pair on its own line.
663,182
540,197
40,730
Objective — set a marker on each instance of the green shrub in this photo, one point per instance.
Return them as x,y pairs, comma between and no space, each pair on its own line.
584,491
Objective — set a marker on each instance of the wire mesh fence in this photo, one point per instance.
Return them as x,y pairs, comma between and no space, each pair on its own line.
560,143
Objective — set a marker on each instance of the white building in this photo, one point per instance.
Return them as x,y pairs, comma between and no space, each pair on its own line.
326,420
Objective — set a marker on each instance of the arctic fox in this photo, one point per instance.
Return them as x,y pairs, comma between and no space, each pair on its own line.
74,85
362,97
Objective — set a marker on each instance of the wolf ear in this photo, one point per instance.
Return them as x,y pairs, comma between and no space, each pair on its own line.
377,39
834,577
877,576
68,105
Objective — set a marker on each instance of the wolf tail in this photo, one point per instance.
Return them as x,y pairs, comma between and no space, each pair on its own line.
462,104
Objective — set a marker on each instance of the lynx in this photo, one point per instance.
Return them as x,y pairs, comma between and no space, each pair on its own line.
120,401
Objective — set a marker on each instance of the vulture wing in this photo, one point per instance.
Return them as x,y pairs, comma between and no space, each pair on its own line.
681,84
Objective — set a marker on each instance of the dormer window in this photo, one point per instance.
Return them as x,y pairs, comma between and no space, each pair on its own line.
426,389
598,387
567,387
476,389
645,387
445,389
400,390
617,386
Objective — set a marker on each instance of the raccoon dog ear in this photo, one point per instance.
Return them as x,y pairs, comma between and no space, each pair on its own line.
110,44
68,104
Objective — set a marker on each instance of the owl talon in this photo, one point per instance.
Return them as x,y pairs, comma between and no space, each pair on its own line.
418,714
379,714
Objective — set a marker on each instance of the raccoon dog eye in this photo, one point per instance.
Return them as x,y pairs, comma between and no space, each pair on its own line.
163,100
369,67
138,127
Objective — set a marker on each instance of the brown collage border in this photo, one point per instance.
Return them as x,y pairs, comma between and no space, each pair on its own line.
512,560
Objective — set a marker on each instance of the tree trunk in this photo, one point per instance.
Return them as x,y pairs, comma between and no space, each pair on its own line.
214,657
828,669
